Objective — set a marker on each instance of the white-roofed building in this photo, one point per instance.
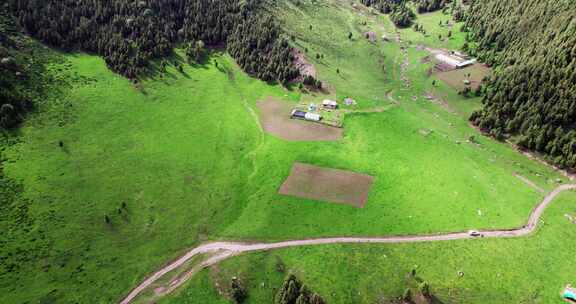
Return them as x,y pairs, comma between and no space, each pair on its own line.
329,104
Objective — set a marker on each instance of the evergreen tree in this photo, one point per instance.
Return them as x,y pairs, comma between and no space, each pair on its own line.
129,34
533,96
294,292
239,292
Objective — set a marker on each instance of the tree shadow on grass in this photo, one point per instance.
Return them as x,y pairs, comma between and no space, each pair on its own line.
160,67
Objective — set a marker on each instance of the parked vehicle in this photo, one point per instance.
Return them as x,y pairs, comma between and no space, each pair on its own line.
475,233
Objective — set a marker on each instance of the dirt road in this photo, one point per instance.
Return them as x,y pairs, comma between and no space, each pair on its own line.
224,250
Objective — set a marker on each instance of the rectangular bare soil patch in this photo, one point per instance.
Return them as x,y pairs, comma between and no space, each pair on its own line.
455,78
329,185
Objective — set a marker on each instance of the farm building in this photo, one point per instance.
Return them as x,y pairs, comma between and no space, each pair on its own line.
329,104
451,60
466,63
299,114
455,60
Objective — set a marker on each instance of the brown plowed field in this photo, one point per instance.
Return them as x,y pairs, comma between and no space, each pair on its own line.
455,78
329,185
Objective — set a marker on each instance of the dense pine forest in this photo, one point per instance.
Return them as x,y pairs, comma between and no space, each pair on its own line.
532,96
22,73
424,6
130,34
401,13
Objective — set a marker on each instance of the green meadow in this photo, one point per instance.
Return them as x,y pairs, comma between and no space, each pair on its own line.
533,269
147,171
142,175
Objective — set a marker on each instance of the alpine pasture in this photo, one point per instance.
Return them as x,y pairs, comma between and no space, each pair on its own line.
147,171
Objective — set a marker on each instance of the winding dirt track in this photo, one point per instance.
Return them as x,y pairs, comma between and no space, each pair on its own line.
225,250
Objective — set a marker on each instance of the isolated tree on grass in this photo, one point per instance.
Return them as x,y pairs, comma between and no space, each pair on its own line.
294,292
289,292
196,51
315,298
303,297
239,292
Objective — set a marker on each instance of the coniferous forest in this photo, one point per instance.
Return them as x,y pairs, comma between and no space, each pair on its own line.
400,12
22,77
129,34
424,6
532,95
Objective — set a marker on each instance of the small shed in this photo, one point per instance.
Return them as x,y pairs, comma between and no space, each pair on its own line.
298,114
312,117
466,63
329,104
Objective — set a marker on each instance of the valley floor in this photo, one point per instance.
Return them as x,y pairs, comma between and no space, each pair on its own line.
146,172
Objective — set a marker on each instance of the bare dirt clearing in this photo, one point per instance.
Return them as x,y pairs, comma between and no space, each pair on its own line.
456,78
275,119
303,65
329,185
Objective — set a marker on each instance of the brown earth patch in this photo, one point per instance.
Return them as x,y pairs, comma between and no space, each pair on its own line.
275,119
455,78
329,185
303,65
371,36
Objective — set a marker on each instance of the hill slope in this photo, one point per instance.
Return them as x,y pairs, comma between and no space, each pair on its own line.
129,34
533,96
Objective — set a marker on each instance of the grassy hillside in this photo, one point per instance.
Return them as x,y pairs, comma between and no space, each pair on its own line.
495,271
526,270
532,97
120,178
151,160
